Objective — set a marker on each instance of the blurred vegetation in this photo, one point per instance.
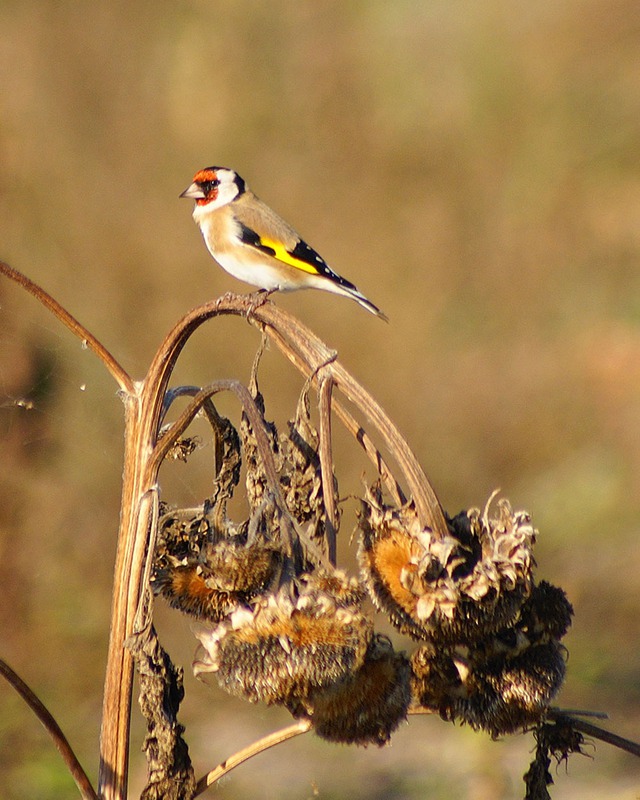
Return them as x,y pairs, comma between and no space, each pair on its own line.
473,168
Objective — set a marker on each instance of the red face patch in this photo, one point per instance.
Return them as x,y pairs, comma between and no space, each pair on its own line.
208,182
205,175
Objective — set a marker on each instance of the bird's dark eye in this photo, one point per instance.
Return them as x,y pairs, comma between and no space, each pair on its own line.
209,186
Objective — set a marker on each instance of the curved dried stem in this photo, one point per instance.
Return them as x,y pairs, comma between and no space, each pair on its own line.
298,728
122,378
83,783
326,465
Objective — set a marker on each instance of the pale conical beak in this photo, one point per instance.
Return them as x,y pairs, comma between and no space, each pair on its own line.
193,191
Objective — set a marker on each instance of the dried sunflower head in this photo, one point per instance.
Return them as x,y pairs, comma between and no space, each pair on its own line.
188,588
453,588
367,705
504,683
289,643
212,579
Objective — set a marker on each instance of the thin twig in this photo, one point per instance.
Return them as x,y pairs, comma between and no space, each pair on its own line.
259,746
122,378
252,750
53,729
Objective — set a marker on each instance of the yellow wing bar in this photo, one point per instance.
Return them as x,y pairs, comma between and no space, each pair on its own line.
282,254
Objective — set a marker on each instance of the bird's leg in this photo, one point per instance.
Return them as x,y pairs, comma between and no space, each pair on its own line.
259,298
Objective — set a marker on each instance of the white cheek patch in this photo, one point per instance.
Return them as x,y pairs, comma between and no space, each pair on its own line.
227,190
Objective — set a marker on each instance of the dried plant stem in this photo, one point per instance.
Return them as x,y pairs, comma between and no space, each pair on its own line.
53,729
116,708
252,750
326,468
259,746
86,337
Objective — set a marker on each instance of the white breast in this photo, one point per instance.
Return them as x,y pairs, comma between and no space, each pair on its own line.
257,271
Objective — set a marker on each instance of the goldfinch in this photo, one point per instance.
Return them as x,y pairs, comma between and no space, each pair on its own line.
252,243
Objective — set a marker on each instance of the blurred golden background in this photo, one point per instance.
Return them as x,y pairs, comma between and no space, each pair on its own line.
474,168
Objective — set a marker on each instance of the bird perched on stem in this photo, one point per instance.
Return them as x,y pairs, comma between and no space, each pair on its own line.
252,243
